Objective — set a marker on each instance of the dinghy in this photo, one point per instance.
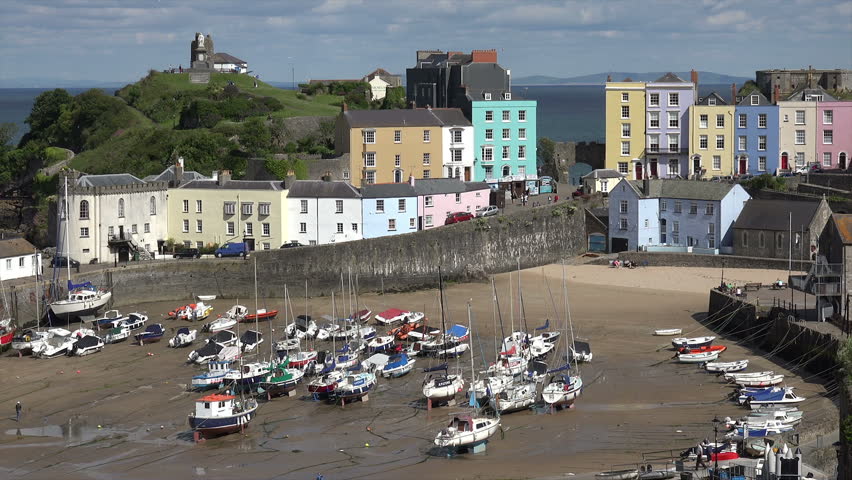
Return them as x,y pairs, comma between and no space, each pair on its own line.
206,298
769,396
183,337
697,357
709,348
618,475
726,367
86,345
220,414
110,319
260,315
361,316
466,430
761,381
667,332
581,352
696,342
153,333
732,376
135,320
453,351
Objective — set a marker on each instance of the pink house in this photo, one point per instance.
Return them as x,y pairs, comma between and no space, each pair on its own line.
438,197
834,134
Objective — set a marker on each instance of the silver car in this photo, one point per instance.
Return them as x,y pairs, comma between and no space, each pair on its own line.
487,211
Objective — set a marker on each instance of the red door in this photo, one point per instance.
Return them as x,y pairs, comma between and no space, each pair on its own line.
784,161
743,166
638,171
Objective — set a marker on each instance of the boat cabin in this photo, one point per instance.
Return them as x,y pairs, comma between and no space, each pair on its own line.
214,406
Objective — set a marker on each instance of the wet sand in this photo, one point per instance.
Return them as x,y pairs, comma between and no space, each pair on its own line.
635,400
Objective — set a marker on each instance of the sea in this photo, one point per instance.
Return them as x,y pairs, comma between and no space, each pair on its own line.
565,112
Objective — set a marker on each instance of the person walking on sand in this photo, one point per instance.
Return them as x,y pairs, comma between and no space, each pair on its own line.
18,412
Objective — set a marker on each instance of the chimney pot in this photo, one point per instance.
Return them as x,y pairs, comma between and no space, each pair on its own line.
693,77
609,78
411,180
224,177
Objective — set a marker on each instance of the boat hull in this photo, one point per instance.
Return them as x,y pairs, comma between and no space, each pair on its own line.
466,439
78,309
214,427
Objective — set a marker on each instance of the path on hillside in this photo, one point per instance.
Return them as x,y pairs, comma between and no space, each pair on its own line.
52,170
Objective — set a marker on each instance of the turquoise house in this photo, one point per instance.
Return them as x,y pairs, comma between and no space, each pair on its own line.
504,139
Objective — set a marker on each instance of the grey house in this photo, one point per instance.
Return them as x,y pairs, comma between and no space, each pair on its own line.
770,228
453,79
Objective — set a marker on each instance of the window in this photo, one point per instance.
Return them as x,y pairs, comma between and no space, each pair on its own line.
369,136
622,206
720,142
248,208
506,171
84,232
391,224
249,228
828,137
457,136
827,117
622,168
625,148
742,142
346,174
654,100
702,142
742,120
230,208
489,115
427,200
187,244
458,198
266,245
110,231
800,137
427,136
339,228
427,159
674,143
487,154
506,152
522,152
380,206
625,130
428,220
427,173
198,206
717,162
522,134
673,120
120,208
229,228
761,142
604,187
693,209
744,239
146,228
8,264
702,121
263,208
677,209
761,240
338,206
486,95
370,159
303,227
152,209
522,115
761,164
397,136
674,167
755,100
370,177
265,229
711,235
654,143
411,223
761,120
826,159
622,224
674,100
506,134
800,117
84,210
625,111
489,134
489,171
186,206
401,205
709,209
663,205
800,159
133,229
720,121
653,119
646,223
303,206
624,96
198,226
507,116
185,228
711,101
675,227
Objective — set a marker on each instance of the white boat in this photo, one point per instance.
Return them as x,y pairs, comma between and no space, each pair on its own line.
219,414
618,475
183,337
514,398
25,340
228,353
441,388
135,320
396,315
492,385
761,381
58,343
248,374
732,376
547,337
398,365
511,365
726,367
207,352
453,351
563,391
287,345
700,357
250,340
117,334
303,327
80,302
540,349
696,342
110,319
221,323
768,396
206,298
86,345
225,338
381,344
793,417
581,352
772,427
195,312
213,377
466,430
667,332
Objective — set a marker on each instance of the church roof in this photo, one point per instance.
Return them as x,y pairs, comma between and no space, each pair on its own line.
222,57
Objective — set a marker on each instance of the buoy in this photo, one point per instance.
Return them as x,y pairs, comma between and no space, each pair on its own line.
366,444
162,427
99,427
369,429
78,371
62,372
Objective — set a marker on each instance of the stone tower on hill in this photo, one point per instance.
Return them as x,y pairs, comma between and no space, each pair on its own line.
201,52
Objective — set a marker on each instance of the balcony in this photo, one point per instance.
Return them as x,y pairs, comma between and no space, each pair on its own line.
652,150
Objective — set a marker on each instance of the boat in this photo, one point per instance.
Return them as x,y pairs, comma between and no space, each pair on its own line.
697,357
395,315
618,475
423,333
772,426
361,316
491,385
709,348
195,312
792,415
225,338
205,353
213,377
236,312
668,332
250,339
135,320
86,345
220,324
769,396
229,352
466,431
7,332
353,386
726,367
547,337
110,319
508,365
283,347
220,414
696,342
762,381
153,333
282,379
183,337
732,376
302,327
82,300
536,371
514,398
581,352
24,340
117,334
302,358
248,375
401,332
398,365
260,314
322,386
375,362
656,474
453,351
563,390
206,298
443,387
56,344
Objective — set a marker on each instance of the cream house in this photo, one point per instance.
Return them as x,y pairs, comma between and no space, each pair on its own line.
18,259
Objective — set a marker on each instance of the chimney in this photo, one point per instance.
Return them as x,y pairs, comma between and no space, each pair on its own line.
224,177
289,179
609,78
216,176
646,185
179,171
344,107
733,93
693,77
411,180
776,95
483,56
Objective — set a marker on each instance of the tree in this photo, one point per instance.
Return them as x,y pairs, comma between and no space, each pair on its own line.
394,98
45,112
7,133
547,157
255,136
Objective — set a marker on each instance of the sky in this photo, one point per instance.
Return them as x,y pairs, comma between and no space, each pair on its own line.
111,40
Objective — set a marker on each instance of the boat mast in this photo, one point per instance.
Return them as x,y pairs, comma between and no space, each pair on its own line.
568,313
511,307
441,296
256,313
522,318
67,244
38,291
472,372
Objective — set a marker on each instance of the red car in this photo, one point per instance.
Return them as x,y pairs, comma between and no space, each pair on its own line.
457,217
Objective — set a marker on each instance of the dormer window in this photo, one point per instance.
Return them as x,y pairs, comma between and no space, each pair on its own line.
507,96
755,100
711,101
486,95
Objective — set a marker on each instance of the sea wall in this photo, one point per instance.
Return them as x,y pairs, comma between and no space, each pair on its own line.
467,251
712,261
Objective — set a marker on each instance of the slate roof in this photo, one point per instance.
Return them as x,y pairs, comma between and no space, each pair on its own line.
762,100
604,173
669,78
683,189
437,186
276,185
802,93
474,186
322,189
387,190
168,175
775,215
108,180
843,223
15,247
419,117
719,99
222,57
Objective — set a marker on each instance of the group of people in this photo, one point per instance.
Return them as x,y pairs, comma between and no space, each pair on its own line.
623,263
525,197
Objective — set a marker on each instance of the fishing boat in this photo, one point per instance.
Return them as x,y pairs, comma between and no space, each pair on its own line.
205,353
110,319
466,431
581,352
322,386
668,332
563,390
282,379
213,377
353,386
769,396
514,398
696,342
396,315
697,357
135,320
153,333
380,344
709,348
250,340
24,340
220,414
442,387
86,345
56,344
260,315
762,381
183,337
398,365
618,475
248,375
726,367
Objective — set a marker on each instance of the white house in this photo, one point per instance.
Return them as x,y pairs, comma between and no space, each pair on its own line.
456,145
378,88
114,215
320,212
601,180
18,259
223,62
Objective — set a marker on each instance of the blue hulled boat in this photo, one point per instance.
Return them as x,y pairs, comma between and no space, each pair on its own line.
221,414
354,386
153,333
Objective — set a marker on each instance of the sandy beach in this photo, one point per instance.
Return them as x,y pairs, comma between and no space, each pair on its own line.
122,413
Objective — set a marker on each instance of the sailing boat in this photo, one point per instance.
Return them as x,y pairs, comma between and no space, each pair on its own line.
249,375
500,374
83,299
564,389
281,379
441,387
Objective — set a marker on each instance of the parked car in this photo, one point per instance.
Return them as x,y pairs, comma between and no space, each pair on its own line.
292,244
232,249
487,211
187,253
811,168
62,261
577,193
457,217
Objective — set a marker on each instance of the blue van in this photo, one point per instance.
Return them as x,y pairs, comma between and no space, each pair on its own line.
232,249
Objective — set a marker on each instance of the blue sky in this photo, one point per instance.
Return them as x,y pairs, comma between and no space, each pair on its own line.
121,40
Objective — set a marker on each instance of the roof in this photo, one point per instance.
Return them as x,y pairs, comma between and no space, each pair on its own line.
216,398
15,247
705,100
762,100
684,189
474,186
776,215
387,190
843,223
437,186
669,78
168,175
322,189
209,184
803,93
419,117
604,173
222,57
108,180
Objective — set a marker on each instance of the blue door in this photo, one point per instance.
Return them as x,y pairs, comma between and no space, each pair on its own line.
597,242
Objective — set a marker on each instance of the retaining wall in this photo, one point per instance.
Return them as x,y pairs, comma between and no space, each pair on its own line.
713,261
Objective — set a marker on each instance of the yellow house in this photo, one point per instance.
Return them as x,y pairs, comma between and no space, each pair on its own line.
711,137
625,126
218,210
389,146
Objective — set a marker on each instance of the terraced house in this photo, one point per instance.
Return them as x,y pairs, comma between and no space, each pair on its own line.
711,148
667,134
505,138
625,127
756,131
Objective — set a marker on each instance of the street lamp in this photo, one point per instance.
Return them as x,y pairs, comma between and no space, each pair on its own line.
715,446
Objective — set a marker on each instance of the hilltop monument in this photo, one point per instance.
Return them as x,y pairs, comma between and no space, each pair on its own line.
201,52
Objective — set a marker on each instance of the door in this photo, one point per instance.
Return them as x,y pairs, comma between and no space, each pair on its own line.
743,166
696,166
785,161
663,231
841,161
466,174
397,176
618,245
639,171
597,242
654,169
249,243
121,232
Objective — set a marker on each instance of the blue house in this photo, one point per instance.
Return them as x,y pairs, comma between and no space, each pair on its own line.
388,209
674,215
504,138
756,135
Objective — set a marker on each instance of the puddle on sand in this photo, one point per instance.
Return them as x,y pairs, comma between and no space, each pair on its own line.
75,433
